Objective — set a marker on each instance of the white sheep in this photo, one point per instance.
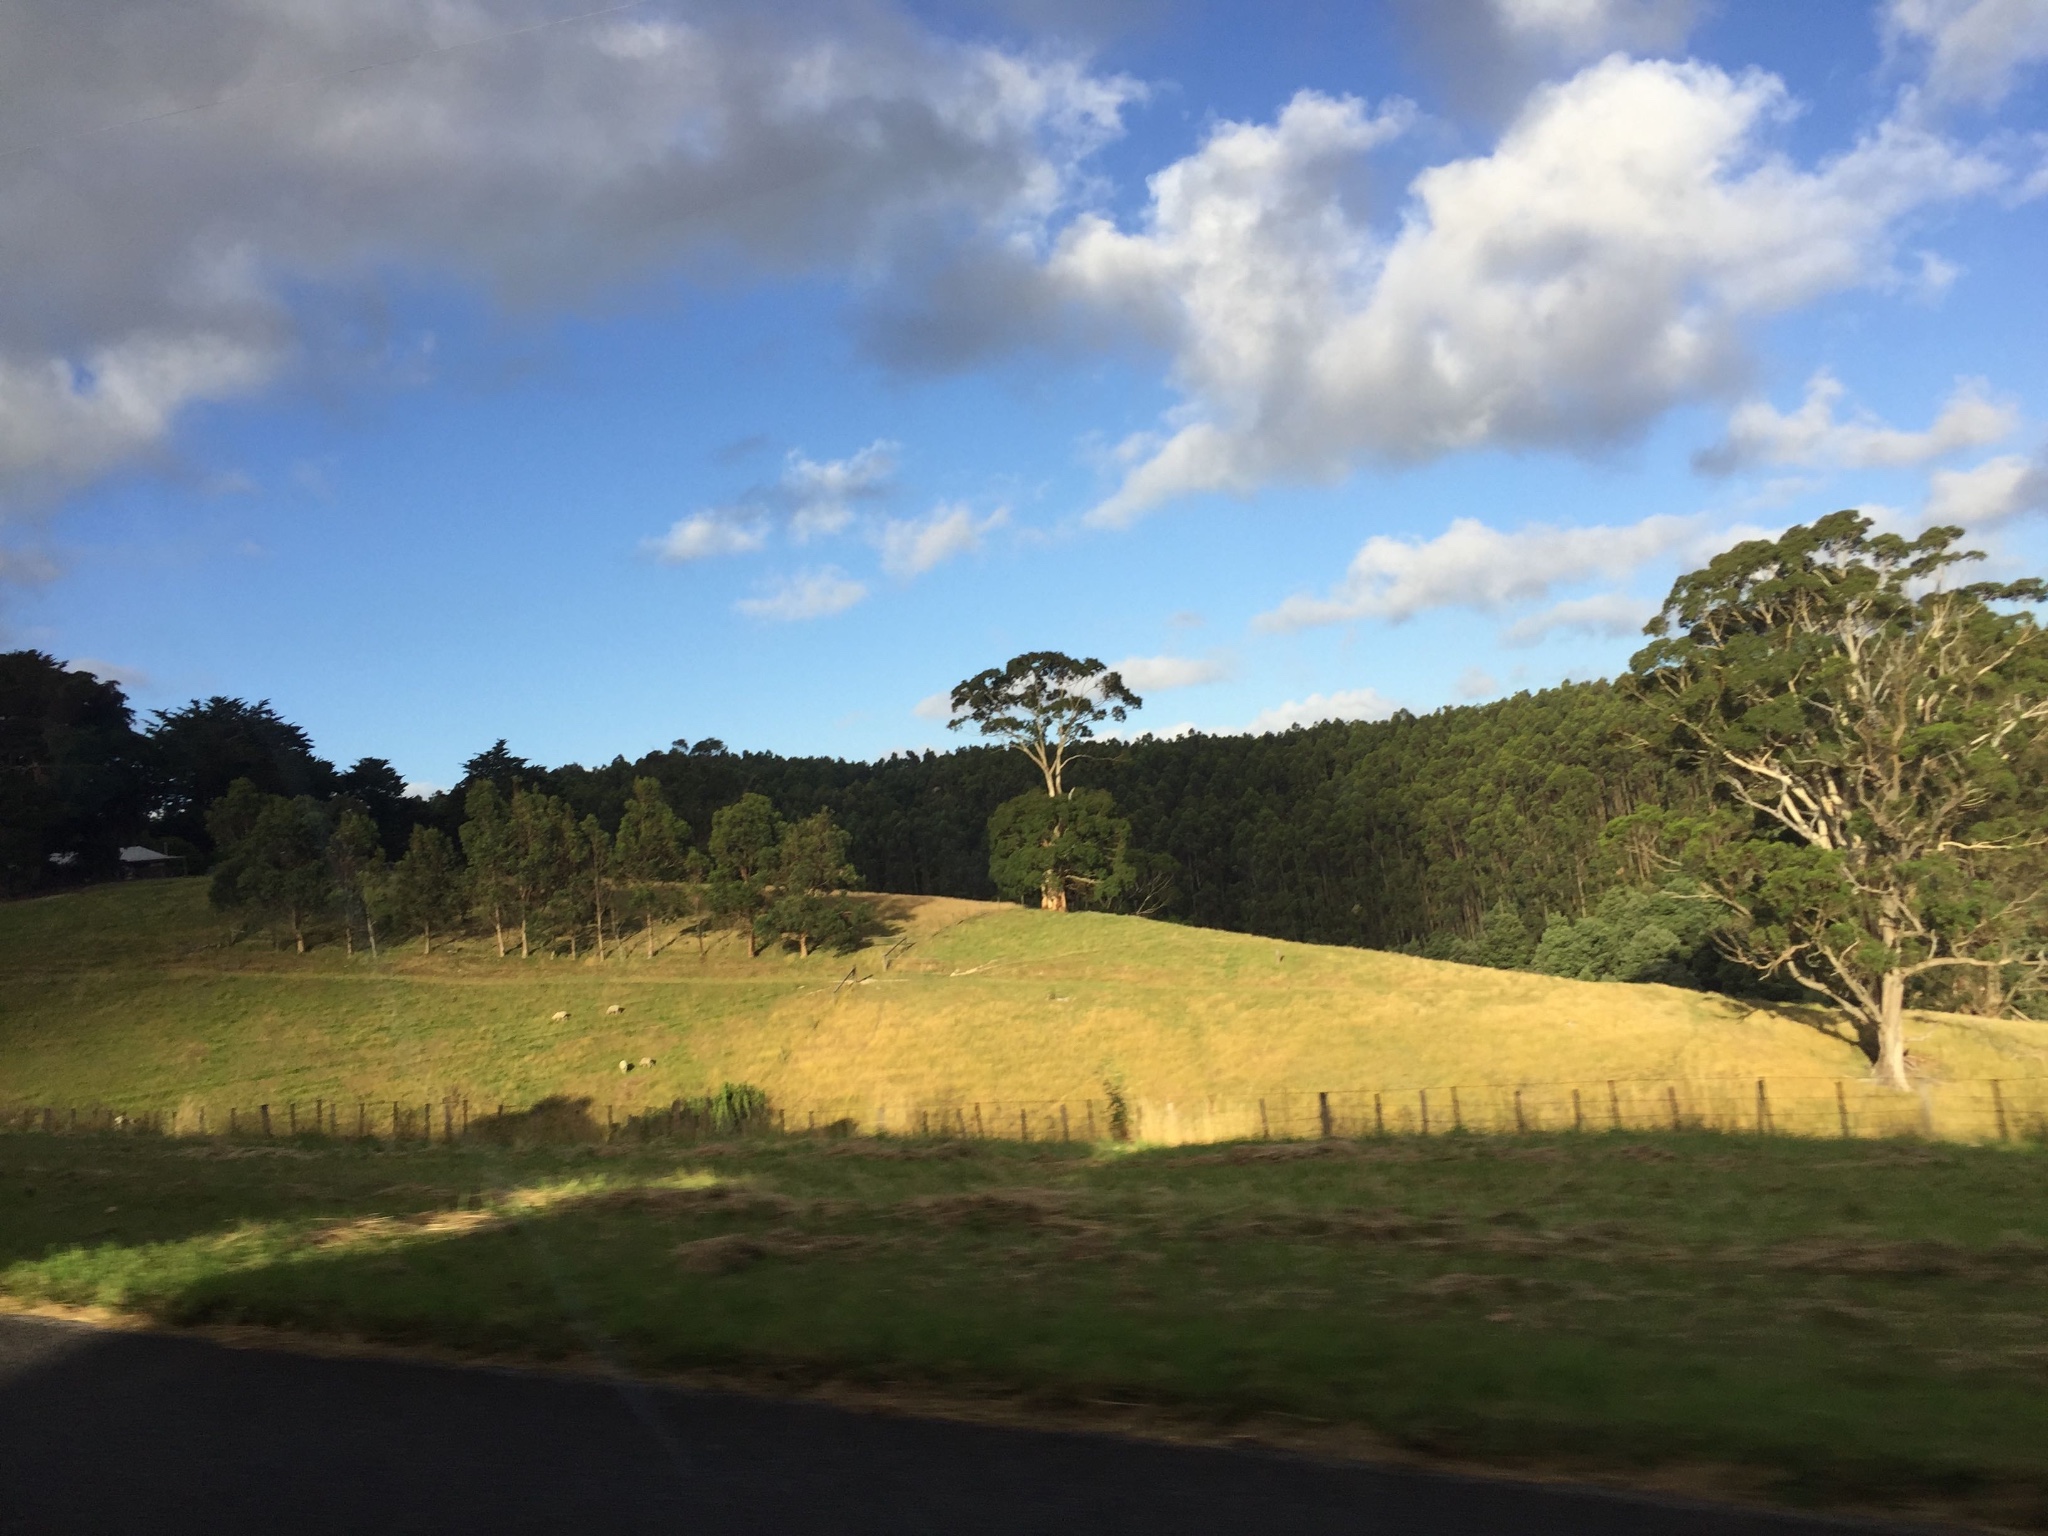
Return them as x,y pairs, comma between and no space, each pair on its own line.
560,1016
625,1066
646,1061
616,1008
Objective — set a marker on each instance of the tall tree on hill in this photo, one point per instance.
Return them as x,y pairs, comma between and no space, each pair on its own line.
1066,850
73,780
544,842
811,876
426,885
1875,740
652,852
744,836
273,857
487,845
592,850
380,789
355,859
200,749
1043,704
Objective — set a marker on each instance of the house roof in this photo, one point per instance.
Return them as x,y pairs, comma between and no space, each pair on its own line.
141,855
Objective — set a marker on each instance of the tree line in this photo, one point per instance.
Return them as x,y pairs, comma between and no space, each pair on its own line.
1826,775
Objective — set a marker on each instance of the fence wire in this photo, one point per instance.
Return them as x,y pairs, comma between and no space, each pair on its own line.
1976,1110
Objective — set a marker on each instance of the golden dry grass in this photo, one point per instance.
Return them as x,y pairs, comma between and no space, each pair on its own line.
132,996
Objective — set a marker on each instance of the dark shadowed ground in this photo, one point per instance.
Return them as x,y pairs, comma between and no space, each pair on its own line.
156,1434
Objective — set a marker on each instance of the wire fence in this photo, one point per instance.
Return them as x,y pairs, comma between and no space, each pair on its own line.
1976,1110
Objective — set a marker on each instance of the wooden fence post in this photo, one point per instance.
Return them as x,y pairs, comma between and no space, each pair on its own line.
1425,1111
264,1111
977,1121
1323,1115
1671,1094
1764,1127
362,1119
1998,1107
1023,1126
1063,1124
394,1120
1578,1113
1521,1125
1842,1107
1613,1105
1265,1125
1457,1114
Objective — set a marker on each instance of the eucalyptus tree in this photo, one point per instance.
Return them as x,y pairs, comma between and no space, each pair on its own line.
651,853
355,856
425,886
487,845
1043,703
1875,740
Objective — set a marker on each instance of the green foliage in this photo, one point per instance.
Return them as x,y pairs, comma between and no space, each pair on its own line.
1065,850
276,862
355,858
744,836
73,776
199,750
811,857
808,920
1636,935
425,890
1503,941
1874,738
1042,703
487,845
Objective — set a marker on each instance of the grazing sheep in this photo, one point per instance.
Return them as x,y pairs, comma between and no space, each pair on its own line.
625,1066
560,1016
646,1061
616,1008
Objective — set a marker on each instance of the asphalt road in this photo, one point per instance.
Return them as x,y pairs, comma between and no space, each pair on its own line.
118,1432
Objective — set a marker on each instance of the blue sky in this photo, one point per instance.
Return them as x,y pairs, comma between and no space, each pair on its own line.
690,370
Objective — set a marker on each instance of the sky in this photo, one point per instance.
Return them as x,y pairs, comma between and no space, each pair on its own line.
596,376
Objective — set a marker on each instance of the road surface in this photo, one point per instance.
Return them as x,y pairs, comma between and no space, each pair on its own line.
160,1434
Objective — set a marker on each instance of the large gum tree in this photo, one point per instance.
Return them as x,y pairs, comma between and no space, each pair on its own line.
1875,738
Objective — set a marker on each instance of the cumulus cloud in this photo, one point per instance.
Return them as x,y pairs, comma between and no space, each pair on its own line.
1345,704
1604,613
934,706
1597,267
912,547
1477,683
1759,433
179,184
809,595
1487,53
705,534
1993,492
1471,565
1157,674
1974,49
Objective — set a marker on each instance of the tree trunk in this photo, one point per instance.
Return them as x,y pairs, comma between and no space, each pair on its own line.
803,946
522,934
498,927
371,929
1891,1031
427,936
597,907
1052,896
650,933
348,936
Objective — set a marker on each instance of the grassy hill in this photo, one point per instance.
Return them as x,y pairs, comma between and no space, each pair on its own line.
133,996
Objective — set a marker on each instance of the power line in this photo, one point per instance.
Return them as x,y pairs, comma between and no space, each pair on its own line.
304,80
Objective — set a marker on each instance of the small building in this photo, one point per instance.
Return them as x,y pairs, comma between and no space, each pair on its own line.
140,863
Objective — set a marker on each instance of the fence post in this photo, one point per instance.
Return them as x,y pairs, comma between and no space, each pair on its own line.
1379,1117
465,1119
234,1119
202,1119
1023,1125
1671,1095
1521,1125
1613,1105
1764,1127
395,1122
362,1119
1063,1124
264,1111
1842,1107
1425,1111
1998,1107
1457,1114
977,1121
1323,1115
1578,1114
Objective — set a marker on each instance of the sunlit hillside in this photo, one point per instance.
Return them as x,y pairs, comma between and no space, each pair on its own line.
132,996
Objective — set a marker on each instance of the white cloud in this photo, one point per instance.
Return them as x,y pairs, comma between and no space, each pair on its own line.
1345,704
910,548
63,423
1759,433
1974,49
1992,492
1158,674
1477,683
552,166
810,595
1605,613
820,495
1470,565
1599,266
421,789
704,535
934,706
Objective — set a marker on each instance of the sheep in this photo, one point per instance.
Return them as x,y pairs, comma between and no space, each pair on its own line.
616,1008
625,1066
646,1061
560,1016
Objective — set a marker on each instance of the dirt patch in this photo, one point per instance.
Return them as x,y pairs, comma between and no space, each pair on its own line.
732,1251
